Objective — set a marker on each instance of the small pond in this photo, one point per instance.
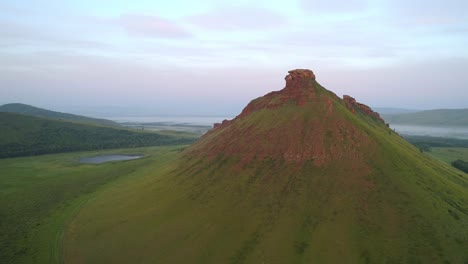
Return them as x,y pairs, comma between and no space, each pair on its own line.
106,158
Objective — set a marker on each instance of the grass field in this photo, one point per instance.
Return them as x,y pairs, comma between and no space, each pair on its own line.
449,154
38,195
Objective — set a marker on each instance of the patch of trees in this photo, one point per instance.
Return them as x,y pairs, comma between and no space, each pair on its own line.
426,143
27,136
461,165
49,141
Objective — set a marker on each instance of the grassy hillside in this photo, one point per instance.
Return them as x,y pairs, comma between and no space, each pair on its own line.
403,207
39,112
440,117
312,182
27,135
38,195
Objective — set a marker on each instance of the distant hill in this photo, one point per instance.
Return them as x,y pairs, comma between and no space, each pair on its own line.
28,135
40,112
392,111
439,117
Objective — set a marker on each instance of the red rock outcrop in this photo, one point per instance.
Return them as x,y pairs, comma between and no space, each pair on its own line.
306,126
353,105
298,89
224,123
296,77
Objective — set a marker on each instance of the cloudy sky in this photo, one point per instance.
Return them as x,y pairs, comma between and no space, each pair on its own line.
212,57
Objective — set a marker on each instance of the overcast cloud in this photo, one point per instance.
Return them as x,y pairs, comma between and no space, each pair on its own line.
213,57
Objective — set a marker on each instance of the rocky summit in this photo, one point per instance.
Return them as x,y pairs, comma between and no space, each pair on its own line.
314,130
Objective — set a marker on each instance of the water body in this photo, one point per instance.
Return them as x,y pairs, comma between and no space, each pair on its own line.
106,158
171,120
447,132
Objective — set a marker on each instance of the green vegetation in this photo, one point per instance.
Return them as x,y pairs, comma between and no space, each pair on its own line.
38,195
380,201
449,154
39,112
461,165
426,143
449,150
27,135
456,157
439,117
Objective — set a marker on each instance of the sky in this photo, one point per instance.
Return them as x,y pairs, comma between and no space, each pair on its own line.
211,57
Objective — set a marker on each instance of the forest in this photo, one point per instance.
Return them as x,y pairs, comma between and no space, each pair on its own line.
28,136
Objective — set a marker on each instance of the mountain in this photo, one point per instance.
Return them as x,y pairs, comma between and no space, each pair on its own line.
28,135
39,112
299,176
438,117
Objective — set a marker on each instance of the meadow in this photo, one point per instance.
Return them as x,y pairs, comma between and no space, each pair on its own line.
448,154
39,195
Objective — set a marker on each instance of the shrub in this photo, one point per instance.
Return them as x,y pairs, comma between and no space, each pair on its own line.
461,165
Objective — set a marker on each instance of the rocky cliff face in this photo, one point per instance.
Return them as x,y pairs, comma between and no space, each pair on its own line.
353,105
295,78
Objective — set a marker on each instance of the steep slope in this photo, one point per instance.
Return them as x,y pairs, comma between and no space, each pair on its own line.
438,117
300,176
28,135
40,112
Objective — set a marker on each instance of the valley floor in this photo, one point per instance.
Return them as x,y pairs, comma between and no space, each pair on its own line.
39,195
449,155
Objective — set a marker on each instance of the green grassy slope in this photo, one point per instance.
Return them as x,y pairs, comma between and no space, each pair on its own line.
27,135
40,112
39,194
376,200
439,117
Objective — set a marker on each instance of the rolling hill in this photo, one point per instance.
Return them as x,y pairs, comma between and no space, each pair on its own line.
24,135
299,176
438,117
40,112
392,110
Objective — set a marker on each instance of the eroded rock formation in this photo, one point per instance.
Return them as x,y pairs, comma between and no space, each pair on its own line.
353,105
